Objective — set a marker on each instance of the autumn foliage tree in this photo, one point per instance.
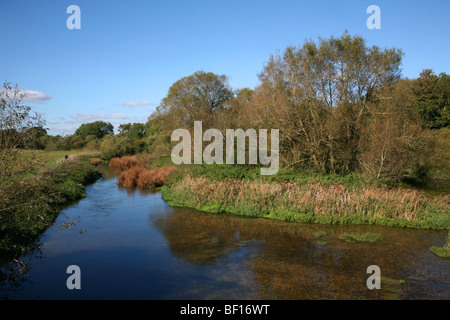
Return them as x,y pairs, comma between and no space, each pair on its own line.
318,94
341,106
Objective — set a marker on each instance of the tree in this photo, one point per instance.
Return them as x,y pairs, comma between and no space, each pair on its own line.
432,94
98,129
196,97
34,136
17,124
391,137
317,95
133,130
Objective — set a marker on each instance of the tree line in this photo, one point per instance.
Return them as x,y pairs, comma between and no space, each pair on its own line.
341,106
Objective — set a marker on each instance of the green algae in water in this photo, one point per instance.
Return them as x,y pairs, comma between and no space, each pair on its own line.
319,234
361,237
441,252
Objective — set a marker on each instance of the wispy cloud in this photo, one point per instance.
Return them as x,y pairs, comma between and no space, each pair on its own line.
29,95
131,104
95,117
36,96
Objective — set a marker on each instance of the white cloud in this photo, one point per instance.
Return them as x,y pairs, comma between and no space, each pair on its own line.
95,117
131,104
29,95
37,96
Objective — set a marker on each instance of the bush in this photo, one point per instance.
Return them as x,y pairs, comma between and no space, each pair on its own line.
117,146
144,178
129,177
151,178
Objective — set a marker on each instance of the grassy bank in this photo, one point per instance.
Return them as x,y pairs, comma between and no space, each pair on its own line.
31,204
305,197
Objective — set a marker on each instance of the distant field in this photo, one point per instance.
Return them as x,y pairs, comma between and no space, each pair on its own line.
52,158
39,159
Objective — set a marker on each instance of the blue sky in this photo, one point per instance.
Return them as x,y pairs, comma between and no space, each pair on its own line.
133,51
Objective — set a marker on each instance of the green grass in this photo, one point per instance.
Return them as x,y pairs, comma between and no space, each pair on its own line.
36,160
252,172
31,204
50,159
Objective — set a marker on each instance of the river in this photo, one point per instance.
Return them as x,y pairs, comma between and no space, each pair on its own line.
131,244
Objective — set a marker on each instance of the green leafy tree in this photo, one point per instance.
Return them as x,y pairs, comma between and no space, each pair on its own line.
432,94
196,97
98,129
133,130
17,130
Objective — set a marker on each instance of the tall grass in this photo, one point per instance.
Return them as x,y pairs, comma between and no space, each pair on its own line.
144,178
149,178
126,162
136,174
312,201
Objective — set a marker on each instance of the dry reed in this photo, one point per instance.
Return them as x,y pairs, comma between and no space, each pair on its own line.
144,178
335,200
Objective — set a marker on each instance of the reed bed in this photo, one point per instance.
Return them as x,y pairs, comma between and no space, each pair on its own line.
150,178
313,201
115,162
144,178
124,163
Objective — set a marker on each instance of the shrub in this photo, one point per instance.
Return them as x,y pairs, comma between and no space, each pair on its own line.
115,162
129,162
144,178
129,177
151,178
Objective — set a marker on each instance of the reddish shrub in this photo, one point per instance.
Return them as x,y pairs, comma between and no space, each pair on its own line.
129,177
150,178
129,162
126,162
115,162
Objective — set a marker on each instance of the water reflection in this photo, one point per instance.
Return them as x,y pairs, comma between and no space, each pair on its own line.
289,263
135,246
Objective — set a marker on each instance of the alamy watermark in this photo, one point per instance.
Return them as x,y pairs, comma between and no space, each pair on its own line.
214,152
74,280
74,20
374,281
374,21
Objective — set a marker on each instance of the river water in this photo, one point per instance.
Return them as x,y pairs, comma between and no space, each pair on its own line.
131,244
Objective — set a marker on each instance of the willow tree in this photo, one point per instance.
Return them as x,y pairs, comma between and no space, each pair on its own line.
317,95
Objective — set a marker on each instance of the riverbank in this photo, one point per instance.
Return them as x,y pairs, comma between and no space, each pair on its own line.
30,204
306,198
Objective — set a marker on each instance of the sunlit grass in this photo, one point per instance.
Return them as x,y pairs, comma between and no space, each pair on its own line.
312,201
